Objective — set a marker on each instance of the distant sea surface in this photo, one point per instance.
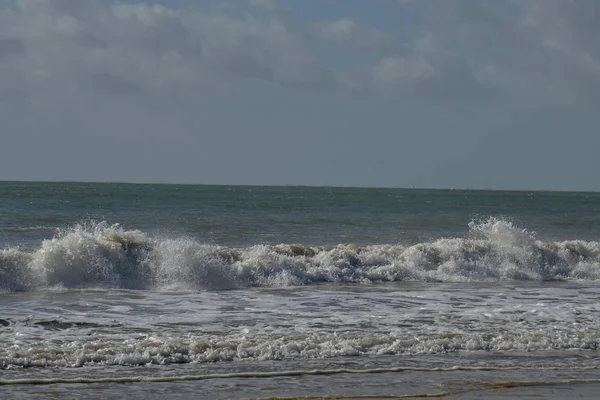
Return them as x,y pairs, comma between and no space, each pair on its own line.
225,291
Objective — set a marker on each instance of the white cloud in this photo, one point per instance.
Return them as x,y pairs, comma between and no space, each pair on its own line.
339,30
395,70
533,51
268,4
152,46
346,31
525,49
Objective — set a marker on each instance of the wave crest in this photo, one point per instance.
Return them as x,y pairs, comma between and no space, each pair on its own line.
101,255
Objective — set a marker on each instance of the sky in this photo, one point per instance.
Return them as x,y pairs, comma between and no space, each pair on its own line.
499,94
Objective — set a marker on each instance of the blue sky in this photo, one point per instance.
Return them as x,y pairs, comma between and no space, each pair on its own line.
425,93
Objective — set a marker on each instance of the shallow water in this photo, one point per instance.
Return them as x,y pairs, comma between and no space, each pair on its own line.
99,329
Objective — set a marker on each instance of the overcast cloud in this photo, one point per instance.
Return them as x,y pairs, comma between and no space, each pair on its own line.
426,93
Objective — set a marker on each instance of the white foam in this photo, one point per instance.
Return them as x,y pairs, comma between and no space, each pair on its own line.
108,256
148,350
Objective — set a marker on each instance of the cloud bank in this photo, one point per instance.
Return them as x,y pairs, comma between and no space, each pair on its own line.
540,47
77,75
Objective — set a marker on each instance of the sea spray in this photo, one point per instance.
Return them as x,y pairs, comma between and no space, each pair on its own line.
97,254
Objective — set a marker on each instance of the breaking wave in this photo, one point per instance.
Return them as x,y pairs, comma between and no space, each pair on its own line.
146,350
100,255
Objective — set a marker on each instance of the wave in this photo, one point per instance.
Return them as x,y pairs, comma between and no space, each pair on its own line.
144,350
101,255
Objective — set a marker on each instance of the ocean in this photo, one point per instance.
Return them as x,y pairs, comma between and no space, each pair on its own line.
114,290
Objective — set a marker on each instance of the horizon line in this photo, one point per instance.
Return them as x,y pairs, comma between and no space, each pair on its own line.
108,182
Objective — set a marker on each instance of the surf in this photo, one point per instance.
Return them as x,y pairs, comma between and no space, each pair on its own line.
102,255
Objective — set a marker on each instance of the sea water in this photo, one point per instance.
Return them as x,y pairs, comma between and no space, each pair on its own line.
111,290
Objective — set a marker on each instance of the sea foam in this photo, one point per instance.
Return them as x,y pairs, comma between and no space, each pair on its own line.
100,255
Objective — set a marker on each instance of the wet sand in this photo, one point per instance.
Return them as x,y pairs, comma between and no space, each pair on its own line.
459,384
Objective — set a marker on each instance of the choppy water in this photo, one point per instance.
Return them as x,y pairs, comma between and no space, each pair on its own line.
108,281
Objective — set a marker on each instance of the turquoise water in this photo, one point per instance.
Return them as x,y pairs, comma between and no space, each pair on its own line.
216,237
249,215
111,281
